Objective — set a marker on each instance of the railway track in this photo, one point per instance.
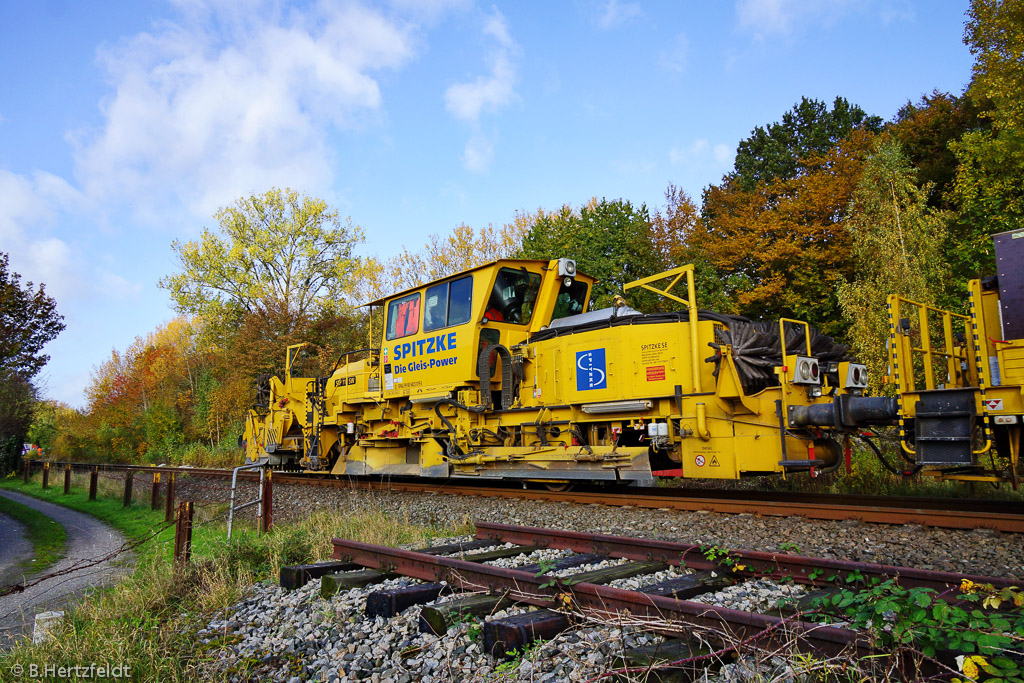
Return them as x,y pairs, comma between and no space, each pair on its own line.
936,512
461,582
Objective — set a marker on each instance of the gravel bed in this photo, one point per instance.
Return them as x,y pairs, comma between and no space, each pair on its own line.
984,552
278,635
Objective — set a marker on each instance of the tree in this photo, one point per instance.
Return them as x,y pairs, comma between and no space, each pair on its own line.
610,240
28,321
275,250
17,405
672,237
897,249
924,130
989,186
808,129
781,249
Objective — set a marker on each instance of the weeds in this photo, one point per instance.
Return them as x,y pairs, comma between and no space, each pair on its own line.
148,621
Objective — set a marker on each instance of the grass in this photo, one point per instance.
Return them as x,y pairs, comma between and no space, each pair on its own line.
48,538
148,621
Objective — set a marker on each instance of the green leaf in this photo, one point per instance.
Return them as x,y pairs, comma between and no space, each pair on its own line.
922,599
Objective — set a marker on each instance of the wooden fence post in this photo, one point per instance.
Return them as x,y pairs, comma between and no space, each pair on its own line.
28,470
67,479
183,533
154,502
267,504
46,475
128,488
169,500
93,481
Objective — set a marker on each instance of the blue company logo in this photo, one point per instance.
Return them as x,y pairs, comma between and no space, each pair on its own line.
590,370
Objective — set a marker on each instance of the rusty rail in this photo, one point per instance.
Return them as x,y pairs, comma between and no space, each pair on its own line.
667,614
770,565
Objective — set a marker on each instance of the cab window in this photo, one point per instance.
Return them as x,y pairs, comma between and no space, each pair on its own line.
571,299
513,296
404,316
448,303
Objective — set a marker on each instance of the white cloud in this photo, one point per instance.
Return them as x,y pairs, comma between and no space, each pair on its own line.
676,56
30,207
702,154
778,17
233,99
478,154
429,11
468,101
615,14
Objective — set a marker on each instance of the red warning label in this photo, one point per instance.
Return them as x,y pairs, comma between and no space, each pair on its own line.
655,373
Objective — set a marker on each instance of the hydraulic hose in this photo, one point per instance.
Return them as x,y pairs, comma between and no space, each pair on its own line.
885,463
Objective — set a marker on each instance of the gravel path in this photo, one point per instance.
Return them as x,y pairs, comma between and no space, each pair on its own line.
88,539
14,548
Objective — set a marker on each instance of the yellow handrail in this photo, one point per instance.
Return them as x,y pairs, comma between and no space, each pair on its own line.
691,305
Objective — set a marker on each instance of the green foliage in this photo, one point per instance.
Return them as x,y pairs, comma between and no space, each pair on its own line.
983,622
543,567
148,621
925,129
610,240
28,321
723,557
897,249
17,406
777,152
275,251
989,186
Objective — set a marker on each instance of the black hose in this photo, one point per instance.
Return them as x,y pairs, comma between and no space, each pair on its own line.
450,427
885,463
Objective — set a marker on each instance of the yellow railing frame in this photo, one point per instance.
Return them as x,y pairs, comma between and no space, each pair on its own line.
677,274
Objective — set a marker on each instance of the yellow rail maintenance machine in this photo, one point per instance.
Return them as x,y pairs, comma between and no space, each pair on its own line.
501,371
960,377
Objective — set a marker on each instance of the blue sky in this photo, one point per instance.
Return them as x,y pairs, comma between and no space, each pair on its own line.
125,125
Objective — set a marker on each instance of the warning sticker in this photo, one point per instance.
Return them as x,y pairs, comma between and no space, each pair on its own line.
994,403
714,461
699,460
655,373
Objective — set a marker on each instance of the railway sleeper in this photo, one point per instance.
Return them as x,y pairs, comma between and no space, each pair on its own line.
333,583
648,663
298,575
439,618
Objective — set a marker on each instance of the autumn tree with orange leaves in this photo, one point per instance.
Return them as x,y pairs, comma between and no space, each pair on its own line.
781,247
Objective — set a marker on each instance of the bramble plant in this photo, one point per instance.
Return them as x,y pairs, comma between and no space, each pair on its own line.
543,567
984,623
723,557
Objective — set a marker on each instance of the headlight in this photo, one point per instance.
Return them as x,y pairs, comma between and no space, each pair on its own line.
806,371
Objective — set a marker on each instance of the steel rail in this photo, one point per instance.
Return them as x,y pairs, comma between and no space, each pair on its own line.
665,614
770,565
947,514
925,513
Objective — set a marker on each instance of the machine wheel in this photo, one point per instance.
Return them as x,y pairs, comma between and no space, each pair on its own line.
558,486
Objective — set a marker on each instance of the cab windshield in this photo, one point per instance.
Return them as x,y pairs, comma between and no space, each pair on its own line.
571,300
513,296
